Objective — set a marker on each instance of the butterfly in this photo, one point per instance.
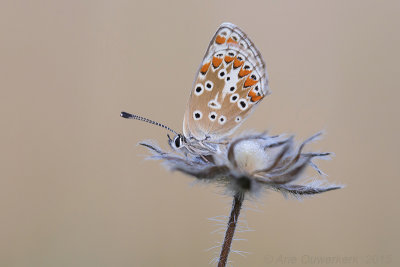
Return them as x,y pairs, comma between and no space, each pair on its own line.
230,82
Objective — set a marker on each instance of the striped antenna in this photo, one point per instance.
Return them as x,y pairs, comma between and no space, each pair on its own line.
136,117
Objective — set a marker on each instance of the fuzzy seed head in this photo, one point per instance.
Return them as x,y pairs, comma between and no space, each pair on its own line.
250,155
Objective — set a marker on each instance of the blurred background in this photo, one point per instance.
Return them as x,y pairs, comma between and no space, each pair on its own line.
75,190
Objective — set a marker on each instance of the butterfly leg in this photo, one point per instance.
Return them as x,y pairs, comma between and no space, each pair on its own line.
204,158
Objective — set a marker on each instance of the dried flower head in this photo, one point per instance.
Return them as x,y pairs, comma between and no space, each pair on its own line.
250,163
245,165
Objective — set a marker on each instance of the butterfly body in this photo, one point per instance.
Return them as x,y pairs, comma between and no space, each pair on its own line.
192,146
230,82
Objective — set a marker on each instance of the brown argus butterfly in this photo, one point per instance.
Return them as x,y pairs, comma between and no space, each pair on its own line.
231,81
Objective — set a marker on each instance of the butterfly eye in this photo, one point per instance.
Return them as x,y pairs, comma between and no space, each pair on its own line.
177,141
197,115
212,116
209,85
242,104
238,119
199,89
222,120
234,98
221,73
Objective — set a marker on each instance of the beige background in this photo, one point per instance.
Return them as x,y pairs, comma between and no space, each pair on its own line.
76,191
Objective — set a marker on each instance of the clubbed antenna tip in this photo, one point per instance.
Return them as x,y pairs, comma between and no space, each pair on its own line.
126,115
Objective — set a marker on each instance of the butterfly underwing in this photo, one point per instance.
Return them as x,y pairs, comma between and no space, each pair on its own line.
230,82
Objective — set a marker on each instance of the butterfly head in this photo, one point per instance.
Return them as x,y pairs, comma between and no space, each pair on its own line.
178,141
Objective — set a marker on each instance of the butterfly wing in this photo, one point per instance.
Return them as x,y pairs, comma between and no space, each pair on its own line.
231,81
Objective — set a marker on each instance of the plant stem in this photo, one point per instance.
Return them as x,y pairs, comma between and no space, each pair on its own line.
230,231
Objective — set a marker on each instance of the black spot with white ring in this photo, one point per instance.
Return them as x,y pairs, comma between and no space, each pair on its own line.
212,116
198,89
242,104
197,115
222,120
232,89
234,98
209,85
238,119
222,73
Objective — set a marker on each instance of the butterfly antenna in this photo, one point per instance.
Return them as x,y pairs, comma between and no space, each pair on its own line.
136,117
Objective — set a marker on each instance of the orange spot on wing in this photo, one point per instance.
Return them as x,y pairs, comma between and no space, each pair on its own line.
237,63
220,39
216,61
256,98
204,68
249,82
228,59
252,94
231,41
243,72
